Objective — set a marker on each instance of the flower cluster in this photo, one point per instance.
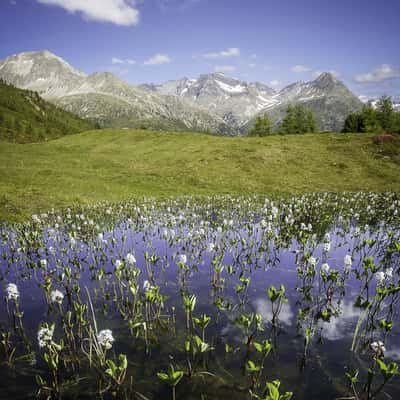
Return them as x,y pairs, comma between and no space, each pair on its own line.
325,268
105,338
382,276
347,263
182,259
210,247
130,259
378,348
56,296
12,291
45,335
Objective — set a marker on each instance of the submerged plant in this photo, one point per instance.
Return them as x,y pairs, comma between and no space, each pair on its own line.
172,377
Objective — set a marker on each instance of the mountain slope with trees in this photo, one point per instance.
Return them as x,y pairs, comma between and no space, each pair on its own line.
26,117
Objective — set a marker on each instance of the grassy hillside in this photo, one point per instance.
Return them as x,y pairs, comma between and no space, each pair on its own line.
26,117
119,164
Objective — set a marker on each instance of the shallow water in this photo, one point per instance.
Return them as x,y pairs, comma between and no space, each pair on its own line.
265,244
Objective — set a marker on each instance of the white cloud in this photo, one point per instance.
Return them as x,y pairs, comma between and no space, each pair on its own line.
263,307
275,83
341,326
300,68
224,68
379,74
363,98
231,52
158,59
119,12
393,353
252,65
116,60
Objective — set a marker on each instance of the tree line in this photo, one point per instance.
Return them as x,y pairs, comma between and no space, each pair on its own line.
297,120
379,119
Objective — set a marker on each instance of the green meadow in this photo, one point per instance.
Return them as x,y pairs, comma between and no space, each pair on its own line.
114,165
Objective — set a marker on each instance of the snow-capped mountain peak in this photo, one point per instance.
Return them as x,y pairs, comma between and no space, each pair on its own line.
233,100
212,101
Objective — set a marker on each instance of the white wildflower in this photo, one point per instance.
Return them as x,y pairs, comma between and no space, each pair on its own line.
45,336
105,338
56,296
389,273
130,259
312,261
210,247
325,268
12,291
378,348
380,278
347,260
182,259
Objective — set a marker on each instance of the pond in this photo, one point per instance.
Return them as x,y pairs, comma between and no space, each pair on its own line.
204,298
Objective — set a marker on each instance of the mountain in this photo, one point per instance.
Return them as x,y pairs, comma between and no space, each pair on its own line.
239,103
212,102
374,102
26,117
326,96
41,71
233,100
103,98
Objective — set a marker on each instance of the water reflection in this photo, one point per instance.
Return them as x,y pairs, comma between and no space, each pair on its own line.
155,271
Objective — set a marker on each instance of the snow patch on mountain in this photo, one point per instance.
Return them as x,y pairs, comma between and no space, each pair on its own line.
231,89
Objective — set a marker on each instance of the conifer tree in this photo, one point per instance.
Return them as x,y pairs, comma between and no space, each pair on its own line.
262,127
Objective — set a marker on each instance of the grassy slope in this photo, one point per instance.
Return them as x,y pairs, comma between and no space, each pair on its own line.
25,117
119,164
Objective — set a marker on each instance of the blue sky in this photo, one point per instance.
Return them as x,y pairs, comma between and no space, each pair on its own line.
276,42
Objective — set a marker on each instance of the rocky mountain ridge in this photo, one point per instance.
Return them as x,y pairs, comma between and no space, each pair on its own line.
212,102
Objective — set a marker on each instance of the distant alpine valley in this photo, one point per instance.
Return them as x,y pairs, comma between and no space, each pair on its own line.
211,103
